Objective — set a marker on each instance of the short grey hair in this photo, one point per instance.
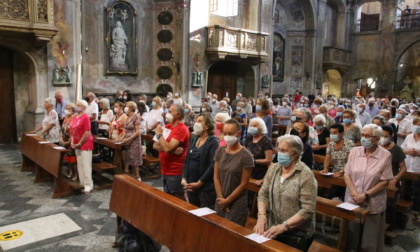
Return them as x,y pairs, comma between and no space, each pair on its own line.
180,109
83,103
376,130
105,103
261,124
380,118
223,102
321,118
49,100
222,116
294,142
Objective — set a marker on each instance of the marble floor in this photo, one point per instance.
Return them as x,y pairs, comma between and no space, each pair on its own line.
85,221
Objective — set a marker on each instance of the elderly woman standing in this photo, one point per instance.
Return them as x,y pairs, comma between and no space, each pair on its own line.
367,174
351,130
232,169
50,125
323,135
263,111
261,148
190,117
130,138
105,117
287,199
70,157
82,142
118,121
197,174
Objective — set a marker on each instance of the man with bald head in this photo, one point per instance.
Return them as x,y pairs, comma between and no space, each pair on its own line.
92,111
60,106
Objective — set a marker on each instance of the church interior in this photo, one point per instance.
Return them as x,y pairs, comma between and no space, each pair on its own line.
190,47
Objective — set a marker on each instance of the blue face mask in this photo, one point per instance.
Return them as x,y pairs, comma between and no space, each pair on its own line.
153,104
340,114
293,118
347,121
366,142
306,105
416,129
398,116
319,127
334,137
238,108
186,111
258,108
360,110
253,131
283,159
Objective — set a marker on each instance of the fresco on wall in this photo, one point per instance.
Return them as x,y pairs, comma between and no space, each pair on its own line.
297,56
120,39
278,57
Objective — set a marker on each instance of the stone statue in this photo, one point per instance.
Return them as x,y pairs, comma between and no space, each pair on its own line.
118,47
406,93
196,79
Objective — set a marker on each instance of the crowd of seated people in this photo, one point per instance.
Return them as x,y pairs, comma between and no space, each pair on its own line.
208,152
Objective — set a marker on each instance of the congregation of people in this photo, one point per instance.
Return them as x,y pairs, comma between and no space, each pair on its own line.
208,155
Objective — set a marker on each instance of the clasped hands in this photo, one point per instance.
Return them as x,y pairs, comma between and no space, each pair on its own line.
358,197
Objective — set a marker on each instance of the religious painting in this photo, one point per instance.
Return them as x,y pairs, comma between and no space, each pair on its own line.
278,57
62,76
120,49
297,56
296,83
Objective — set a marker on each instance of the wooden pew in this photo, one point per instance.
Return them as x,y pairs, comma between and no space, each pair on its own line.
166,219
115,167
47,163
150,165
329,207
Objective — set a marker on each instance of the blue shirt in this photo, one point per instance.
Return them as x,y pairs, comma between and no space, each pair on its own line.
60,108
284,111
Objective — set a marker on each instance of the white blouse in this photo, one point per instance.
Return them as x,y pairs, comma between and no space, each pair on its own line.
106,118
412,162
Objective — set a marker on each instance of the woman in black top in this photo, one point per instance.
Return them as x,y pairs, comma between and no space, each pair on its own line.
261,148
301,130
323,135
197,175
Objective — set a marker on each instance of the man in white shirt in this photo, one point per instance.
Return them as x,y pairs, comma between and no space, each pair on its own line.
214,104
404,126
92,111
155,117
362,115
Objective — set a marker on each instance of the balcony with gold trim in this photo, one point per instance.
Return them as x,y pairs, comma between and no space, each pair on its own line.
33,17
336,58
224,42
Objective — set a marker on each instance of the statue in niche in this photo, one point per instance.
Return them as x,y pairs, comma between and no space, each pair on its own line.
61,75
118,47
124,15
406,93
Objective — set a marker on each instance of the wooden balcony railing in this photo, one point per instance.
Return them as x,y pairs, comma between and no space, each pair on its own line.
223,41
336,57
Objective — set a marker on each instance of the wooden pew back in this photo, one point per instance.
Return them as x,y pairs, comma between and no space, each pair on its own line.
166,219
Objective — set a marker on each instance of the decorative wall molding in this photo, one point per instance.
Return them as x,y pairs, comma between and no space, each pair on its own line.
28,17
223,41
336,58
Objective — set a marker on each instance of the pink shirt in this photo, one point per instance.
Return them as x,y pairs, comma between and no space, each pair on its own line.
78,127
365,173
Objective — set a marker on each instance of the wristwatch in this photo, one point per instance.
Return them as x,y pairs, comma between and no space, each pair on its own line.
158,136
367,196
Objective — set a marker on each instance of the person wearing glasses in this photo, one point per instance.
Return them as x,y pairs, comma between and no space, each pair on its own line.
367,175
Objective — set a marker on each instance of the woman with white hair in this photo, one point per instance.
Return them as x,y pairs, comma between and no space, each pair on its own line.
220,119
261,148
105,117
50,127
287,199
323,135
367,174
82,141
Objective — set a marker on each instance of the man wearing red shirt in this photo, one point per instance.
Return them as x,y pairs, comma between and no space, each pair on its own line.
171,160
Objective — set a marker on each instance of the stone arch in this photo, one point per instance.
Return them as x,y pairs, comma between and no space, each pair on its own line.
400,51
30,82
332,83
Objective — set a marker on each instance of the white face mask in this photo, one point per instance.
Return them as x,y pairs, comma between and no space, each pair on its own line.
116,110
203,110
126,110
142,101
177,95
285,104
198,128
67,112
230,140
169,118
125,97
384,141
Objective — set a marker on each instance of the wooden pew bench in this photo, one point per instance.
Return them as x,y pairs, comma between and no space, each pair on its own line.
328,207
150,165
167,220
47,163
101,168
